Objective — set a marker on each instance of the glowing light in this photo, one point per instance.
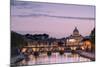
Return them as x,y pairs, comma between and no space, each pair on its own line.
34,49
73,48
72,40
24,49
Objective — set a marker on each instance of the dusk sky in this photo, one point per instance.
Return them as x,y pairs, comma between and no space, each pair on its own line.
57,20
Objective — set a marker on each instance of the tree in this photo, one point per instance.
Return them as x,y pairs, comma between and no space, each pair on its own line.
17,40
92,35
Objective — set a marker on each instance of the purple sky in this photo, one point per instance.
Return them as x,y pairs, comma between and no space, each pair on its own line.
58,20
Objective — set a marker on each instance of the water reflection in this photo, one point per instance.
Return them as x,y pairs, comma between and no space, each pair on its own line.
54,58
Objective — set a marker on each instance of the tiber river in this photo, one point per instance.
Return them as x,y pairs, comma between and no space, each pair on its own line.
54,58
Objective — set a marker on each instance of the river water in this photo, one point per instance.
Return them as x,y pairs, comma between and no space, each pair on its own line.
54,58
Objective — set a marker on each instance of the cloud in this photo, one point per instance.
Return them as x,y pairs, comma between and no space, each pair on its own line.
27,6
18,3
54,16
26,9
24,4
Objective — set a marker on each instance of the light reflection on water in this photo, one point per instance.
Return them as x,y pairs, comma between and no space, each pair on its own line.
54,58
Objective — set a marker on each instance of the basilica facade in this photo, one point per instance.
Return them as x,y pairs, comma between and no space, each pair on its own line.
75,38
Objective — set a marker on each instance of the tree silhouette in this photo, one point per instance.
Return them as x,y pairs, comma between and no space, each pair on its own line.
92,35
